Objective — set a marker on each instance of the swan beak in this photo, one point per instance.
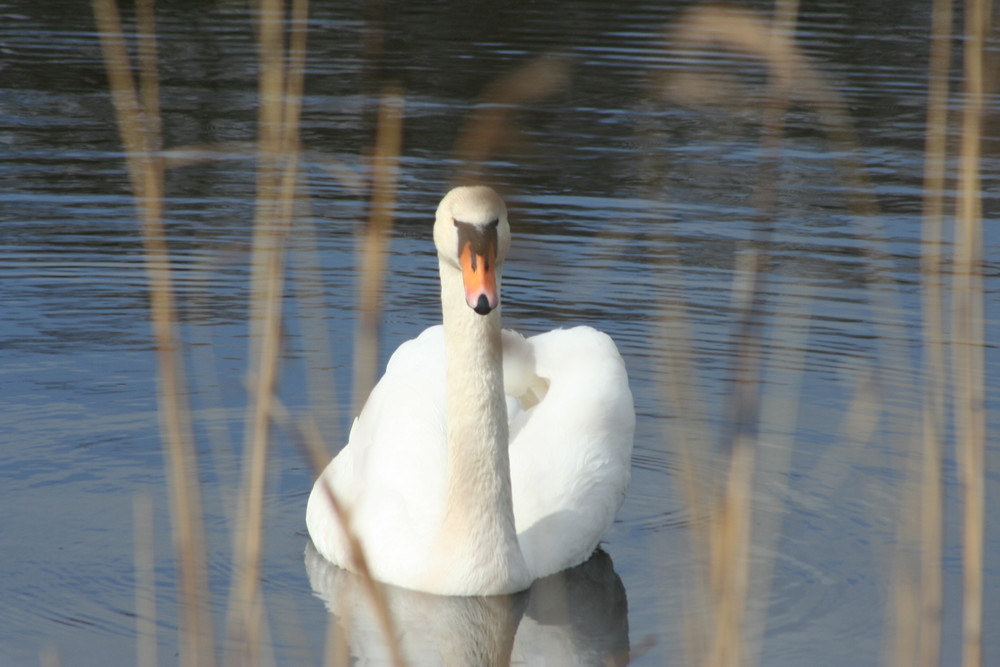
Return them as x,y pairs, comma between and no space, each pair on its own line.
480,278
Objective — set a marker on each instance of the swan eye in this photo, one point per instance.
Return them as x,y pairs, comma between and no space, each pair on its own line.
494,223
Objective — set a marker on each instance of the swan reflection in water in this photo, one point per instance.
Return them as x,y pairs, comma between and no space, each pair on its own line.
575,617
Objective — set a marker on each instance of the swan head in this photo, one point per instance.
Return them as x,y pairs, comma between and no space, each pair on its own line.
472,235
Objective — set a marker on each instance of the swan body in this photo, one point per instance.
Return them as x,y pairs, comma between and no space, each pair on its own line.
482,460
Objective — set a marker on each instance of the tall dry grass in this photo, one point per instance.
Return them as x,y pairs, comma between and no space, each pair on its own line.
720,475
723,501
967,331
278,151
138,123
919,602
721,493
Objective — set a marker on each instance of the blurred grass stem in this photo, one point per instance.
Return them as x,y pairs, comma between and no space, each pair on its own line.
280,90
928,625
375,244
141,140
307,436
967,331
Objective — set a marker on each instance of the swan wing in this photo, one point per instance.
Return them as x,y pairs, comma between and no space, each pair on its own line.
391,474
570,453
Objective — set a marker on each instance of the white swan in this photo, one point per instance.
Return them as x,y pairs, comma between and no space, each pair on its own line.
482,460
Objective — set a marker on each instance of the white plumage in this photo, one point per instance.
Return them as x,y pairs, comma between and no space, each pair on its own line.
481,461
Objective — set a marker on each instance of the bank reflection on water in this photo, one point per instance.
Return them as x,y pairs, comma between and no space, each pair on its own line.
576,617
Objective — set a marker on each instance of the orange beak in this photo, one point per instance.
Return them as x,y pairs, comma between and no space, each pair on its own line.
480,278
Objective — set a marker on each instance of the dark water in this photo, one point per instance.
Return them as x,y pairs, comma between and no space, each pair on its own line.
625,203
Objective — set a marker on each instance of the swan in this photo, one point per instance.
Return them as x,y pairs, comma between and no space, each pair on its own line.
482,460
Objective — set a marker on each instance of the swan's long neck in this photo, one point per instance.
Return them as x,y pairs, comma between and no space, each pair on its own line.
478,525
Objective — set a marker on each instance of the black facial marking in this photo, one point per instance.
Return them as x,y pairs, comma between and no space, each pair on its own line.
481,238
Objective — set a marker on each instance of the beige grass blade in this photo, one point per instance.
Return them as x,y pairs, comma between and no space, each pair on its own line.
967,332
375,244
141,139
280,88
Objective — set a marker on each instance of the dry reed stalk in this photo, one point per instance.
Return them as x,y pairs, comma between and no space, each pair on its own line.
149,81
701,489
779,413
790,76
306,435
140,137
729,558
489,127
276,188
730,535
729,538
372,257
719,510
928,624
269,152
337,650
308,293
967,332
280,88
687,428
278,154
145,553
731,549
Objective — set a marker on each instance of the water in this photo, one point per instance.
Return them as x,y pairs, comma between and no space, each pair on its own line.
625,204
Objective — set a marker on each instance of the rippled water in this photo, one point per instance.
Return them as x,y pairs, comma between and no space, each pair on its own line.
625,204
